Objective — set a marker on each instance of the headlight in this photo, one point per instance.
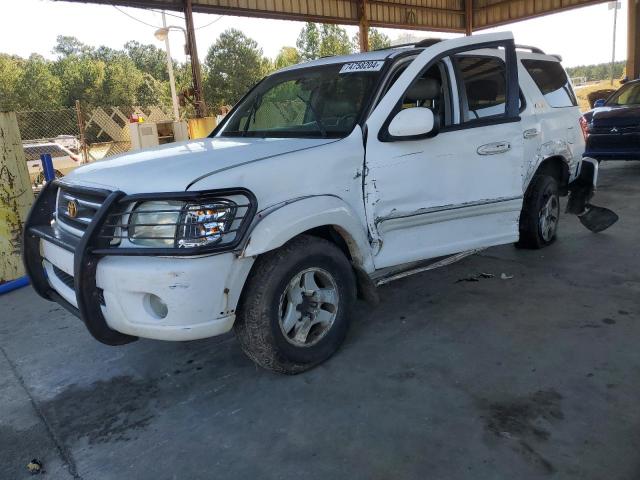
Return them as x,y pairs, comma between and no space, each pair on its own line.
153,224
168,223
204,224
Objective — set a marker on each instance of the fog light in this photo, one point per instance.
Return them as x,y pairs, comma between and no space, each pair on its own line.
157,306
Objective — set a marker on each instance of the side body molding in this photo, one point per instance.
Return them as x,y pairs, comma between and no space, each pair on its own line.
280,223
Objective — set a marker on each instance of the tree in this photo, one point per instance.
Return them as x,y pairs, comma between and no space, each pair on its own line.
152,91
122,81
82,78
308,42
233,65
322,40
378,40
11,72
148,59
39,88
286,57
66,46
334,40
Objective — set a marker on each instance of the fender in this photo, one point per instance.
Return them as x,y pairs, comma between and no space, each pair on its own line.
279,224
557,148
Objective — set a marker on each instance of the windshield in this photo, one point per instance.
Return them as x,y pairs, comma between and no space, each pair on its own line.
323,102
627,95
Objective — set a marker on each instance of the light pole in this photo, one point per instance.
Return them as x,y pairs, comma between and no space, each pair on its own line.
615,5
162,34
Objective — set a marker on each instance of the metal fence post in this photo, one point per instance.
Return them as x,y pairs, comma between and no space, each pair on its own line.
16,197
47,167
81,130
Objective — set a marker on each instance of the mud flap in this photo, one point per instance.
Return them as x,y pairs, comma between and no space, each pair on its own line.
581,190
597,219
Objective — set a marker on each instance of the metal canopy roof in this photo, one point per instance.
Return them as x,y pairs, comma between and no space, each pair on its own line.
435,15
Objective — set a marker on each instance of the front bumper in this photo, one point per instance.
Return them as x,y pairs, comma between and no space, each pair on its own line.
117,296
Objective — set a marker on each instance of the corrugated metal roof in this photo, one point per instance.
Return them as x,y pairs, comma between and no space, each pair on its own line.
435,15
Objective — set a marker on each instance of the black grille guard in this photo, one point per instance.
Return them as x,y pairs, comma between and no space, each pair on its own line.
37,226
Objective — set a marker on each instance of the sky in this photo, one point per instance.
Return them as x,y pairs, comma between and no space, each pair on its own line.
582,36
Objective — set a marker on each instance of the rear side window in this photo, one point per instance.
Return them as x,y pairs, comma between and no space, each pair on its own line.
552,81
483,86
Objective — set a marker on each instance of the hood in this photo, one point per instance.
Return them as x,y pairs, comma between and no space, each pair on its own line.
175,166
623,116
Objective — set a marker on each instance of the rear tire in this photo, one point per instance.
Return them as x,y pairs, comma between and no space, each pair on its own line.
295,307
540,213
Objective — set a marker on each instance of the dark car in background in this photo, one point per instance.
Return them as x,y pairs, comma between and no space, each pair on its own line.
612,128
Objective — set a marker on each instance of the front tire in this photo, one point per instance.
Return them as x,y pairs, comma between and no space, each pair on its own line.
295,308
540,213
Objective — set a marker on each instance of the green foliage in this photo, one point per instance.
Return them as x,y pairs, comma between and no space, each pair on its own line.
11,69
137,73
308,42
83,79
121,82
378,40
286,57
39,88
148,59
323,40
66,46
601,71
233,65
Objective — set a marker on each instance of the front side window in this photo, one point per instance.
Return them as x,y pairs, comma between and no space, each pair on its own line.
430,90
483,86
324,101
627,95
552,81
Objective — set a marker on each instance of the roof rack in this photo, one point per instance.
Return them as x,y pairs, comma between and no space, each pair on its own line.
427,42
531,49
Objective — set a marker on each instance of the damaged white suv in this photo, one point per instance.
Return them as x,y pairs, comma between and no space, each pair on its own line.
326,179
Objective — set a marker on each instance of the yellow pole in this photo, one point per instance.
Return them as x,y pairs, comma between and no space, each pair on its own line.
16,197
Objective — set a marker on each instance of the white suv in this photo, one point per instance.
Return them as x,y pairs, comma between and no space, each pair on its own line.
325,180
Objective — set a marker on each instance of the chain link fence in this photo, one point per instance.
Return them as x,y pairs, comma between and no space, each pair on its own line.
73,136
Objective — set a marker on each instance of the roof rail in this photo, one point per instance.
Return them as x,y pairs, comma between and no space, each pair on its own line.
531,49
427,42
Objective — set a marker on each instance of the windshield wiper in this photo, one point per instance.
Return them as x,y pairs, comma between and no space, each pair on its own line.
316,117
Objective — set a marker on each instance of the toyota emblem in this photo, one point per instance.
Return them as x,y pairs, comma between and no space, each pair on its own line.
72,209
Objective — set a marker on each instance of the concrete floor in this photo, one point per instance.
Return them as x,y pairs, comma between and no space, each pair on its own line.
532,377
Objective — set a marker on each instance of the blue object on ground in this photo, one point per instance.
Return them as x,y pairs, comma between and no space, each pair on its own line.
14,284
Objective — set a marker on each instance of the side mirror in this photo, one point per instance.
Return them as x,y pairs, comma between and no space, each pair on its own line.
599,103
412,124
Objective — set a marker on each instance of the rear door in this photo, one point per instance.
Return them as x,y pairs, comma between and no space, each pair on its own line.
462,188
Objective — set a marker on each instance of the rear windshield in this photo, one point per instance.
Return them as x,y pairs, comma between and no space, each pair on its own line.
552,81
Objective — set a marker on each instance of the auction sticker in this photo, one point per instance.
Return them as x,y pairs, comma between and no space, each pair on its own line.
368,66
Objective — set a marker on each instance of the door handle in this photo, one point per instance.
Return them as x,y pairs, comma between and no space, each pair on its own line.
494,148
531,133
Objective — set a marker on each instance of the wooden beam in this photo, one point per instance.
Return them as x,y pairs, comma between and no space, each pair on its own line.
468,17
201,106
633,40
363,24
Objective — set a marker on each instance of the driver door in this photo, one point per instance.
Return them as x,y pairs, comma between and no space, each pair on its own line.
460,186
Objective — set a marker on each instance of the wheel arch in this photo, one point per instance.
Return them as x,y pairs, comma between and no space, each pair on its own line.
556,166
324,216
